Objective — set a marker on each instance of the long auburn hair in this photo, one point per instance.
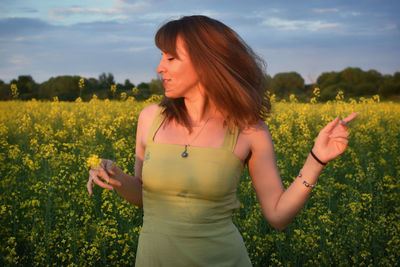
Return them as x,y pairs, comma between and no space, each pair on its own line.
231,73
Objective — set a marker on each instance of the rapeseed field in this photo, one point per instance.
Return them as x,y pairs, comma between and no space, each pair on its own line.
48,218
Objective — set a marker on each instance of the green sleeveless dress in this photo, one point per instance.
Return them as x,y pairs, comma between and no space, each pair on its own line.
188,205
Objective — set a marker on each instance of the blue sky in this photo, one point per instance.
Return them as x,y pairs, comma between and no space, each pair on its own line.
46,38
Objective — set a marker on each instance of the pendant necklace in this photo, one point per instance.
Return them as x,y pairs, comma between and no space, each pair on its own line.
185,153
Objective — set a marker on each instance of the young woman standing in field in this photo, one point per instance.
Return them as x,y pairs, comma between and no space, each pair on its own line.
191,149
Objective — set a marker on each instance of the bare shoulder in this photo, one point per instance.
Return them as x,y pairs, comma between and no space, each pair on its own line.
149,112
146,118
257,128
257,137
256,134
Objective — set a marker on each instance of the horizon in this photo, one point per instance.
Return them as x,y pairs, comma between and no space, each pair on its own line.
123,81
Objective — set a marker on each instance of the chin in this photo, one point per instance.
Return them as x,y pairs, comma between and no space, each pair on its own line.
170,95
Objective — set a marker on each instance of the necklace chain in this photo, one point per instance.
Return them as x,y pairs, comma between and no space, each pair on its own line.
185,153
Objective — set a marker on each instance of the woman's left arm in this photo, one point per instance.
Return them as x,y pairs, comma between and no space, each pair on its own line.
280,206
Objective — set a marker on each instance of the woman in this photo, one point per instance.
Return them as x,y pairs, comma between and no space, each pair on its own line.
191,149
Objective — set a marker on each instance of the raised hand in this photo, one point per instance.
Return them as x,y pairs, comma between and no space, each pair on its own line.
332,139
101,176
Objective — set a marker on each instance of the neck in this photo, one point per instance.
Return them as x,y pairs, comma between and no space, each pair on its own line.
197,107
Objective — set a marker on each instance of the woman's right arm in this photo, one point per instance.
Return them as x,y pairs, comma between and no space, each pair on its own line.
129,187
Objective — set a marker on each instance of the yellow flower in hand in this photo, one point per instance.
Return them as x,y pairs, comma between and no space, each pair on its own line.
93,161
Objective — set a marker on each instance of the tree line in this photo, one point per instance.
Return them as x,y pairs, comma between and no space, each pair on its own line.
69,88
353,82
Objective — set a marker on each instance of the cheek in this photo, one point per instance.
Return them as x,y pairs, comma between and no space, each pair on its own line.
191,76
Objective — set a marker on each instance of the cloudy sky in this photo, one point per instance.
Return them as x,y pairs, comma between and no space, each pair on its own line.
45,38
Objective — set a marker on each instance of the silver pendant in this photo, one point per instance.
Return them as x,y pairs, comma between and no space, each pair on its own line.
184,153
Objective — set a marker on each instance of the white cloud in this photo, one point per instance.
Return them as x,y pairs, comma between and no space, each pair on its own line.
289,25
61,12
159,16
17,59
17,63
325,10
118,10
390,27
118,38
136,5
133,49
166,15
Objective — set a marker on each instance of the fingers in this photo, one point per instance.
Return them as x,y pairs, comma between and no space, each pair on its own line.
101,176
108,166
330,125
89,186
114,182
94,177
341,140
341,143
100,173
100,183
350,117
343,134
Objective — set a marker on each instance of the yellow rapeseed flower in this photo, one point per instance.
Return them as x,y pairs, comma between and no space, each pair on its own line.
94,98
317,92
113,88
14,90
81,83
93,161
340,95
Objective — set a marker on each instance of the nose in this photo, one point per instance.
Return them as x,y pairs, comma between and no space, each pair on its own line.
161,68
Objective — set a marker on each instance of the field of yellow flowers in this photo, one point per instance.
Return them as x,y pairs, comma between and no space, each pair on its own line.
48,218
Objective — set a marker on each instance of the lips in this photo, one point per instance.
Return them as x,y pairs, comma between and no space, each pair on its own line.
165,81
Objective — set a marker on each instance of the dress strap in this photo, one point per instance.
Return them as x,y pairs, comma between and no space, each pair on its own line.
230,139
158,120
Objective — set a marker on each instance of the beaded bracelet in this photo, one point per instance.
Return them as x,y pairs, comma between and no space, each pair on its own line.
305,183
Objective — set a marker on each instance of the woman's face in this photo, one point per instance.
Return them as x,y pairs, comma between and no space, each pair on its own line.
178,75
